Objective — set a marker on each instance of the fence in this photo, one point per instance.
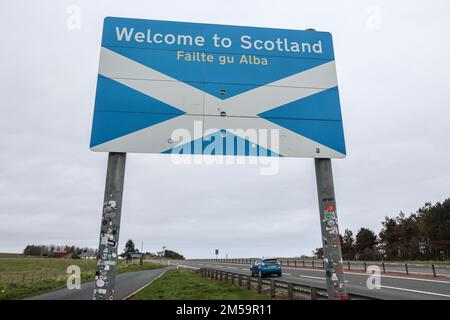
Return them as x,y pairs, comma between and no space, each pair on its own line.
275,288
434,270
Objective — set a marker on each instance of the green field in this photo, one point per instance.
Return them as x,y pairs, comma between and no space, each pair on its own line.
25,276
186,285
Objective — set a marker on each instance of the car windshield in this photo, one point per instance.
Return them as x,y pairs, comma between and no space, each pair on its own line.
270,261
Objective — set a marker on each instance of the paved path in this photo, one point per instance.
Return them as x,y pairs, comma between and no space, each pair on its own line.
126,284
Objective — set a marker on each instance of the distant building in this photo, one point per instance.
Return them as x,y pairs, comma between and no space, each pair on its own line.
88,254
60,254
135,255
161,253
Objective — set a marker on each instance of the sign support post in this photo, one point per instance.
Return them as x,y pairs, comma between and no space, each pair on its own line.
330,231
107,257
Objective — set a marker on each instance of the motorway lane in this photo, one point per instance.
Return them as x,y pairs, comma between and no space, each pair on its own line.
413,268
392,287
126,284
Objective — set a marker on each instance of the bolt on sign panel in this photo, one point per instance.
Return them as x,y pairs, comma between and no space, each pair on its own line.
190,88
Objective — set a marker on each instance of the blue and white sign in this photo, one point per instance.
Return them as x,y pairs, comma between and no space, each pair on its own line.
190,88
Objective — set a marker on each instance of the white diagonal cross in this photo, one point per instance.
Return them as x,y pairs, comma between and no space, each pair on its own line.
196,103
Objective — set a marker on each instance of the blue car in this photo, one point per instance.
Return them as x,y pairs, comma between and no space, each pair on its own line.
265,267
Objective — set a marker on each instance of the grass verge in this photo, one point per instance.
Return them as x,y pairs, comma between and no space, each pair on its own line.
187,285
21,277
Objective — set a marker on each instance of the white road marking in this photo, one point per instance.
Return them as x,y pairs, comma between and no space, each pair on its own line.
418,291
367,274
287,274
311,277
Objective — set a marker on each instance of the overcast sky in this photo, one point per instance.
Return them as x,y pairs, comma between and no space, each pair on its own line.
393,70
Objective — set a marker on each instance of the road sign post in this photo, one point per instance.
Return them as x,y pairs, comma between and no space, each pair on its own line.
107,258
187,88
330,231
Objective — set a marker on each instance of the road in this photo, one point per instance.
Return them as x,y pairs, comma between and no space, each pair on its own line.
392,287
126,284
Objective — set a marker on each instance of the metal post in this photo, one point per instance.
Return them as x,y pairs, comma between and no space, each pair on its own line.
272,288
313,293
330,230
107,258
290,291
434,270
384,267
406,268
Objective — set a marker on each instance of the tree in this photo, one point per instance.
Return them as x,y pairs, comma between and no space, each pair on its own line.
434,224
365,244
129,247
172,255
318,253
389,238
348,245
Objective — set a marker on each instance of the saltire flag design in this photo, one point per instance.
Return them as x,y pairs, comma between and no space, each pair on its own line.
148,91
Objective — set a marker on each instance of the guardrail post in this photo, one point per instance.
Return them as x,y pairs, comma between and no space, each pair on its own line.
313,293
348,265
312,263
303,263
221,275
272,288
384,267
226,276
434,270
240,280
249,283
295,263
290,291
323,264
406,268
288,263
365,266
232,278
259,285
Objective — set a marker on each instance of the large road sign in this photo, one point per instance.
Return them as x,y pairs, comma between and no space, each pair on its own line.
195,88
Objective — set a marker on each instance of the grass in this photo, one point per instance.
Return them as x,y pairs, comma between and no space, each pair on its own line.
186,285
26,276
